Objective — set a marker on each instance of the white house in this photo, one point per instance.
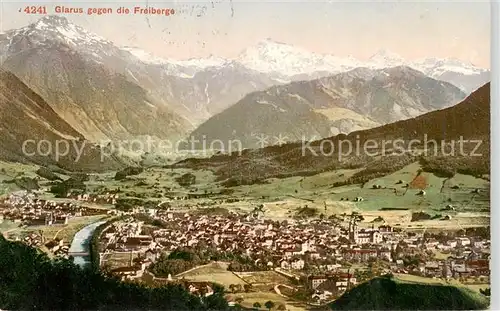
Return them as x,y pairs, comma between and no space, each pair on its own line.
298,264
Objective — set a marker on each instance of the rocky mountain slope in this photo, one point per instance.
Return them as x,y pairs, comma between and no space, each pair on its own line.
178,95
203,94
193,89
98,103
65,65
390,145
359,99
256,122
222,81
31,131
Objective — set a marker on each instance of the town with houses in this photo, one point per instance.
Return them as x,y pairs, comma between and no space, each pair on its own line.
29,211
320,253
325,256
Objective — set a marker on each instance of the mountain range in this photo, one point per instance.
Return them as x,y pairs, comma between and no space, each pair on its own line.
290,63
285,63
97,101
31,131
183,94
107,92
469,120
358,99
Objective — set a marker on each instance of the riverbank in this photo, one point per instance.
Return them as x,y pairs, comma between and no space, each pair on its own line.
93,245
81,243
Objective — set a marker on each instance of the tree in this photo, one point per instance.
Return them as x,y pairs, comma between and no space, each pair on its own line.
239,300
281,307
128,171
30,280
247,287
186,180
344,240
257,305
269,305
486,291
62,189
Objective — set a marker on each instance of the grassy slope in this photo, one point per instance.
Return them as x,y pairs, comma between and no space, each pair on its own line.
280,196
469,119
385,293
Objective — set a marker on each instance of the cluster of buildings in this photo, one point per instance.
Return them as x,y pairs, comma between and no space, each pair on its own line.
54,246
57,247
26,208
33,240
106,198
126,237
317,248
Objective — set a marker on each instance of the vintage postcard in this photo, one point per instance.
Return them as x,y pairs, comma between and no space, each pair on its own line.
245,155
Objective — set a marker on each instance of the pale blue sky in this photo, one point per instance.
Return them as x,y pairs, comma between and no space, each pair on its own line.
357,28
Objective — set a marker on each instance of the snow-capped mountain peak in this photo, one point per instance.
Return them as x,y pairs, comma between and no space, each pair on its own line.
59,28
384,58
143,55
201,63
438,66
191,64
276,57
281,62
272,52
51,20
52,30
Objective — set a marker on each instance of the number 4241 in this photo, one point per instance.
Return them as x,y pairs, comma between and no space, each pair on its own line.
35,10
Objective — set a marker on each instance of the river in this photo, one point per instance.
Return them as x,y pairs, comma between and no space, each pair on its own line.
81,242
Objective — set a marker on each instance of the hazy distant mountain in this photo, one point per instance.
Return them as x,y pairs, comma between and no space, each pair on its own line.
283,63
461,74
359,99
182,68
204,93
384,58
289,63
26,117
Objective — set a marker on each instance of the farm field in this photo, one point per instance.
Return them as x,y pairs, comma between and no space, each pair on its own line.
213,272
262,284
385,197
262,297
118,259
263,278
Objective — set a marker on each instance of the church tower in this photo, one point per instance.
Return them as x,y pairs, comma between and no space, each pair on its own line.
353,231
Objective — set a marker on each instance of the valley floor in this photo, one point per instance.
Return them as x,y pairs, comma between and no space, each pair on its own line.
447,204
